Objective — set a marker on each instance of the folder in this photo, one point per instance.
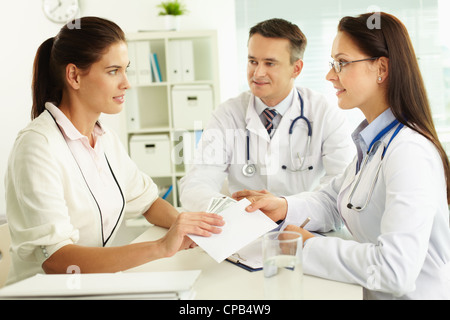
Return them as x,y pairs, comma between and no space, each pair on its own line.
181,57
155,68
175,62
122,285
132,111
132,69
187,61
144,72
250,257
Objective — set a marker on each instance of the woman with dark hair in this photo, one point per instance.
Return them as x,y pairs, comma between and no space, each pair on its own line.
70,182
393,198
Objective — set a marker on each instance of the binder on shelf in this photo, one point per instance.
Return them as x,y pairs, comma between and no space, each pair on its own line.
133,116
187,60
156,70
175,57
181,57
132,69
144,72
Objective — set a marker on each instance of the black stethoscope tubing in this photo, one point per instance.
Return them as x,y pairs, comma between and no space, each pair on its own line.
95,199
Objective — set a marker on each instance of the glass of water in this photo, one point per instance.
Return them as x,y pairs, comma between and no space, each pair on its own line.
283,271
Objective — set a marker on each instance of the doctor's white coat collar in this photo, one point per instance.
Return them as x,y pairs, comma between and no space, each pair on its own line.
365,132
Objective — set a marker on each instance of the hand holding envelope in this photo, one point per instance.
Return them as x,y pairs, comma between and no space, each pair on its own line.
241,228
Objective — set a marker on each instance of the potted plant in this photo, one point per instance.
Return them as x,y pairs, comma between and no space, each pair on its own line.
172,10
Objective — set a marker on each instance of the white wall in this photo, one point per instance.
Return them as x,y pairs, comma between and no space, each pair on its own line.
24,27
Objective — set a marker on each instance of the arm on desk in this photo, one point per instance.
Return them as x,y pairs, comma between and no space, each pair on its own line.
114,259
161,213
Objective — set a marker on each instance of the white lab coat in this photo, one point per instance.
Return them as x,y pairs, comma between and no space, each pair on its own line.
48,203
222,150
401,246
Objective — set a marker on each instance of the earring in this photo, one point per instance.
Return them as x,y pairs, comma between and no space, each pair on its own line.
379,79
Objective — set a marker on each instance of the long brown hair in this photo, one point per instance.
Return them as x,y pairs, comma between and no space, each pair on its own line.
82,43
406,95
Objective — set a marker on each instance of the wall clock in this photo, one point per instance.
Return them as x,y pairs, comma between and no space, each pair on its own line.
61,11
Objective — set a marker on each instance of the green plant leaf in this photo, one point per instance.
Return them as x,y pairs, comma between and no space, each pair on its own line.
173,8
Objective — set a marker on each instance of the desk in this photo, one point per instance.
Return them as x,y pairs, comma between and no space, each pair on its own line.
225,281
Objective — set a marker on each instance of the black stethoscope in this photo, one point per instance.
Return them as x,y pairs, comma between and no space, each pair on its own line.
96,202
249,169
372,150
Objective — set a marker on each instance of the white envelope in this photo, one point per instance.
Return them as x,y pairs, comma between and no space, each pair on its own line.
241,228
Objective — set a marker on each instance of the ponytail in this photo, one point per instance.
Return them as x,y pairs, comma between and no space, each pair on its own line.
43,84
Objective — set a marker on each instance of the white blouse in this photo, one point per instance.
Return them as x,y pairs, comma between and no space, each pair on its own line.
48,201
95,170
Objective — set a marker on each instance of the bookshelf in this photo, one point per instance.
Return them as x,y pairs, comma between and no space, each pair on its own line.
166,109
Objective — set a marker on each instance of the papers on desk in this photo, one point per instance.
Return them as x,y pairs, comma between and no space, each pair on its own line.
240,229
130,285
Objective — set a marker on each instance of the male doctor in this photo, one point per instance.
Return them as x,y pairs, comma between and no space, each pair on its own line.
257,139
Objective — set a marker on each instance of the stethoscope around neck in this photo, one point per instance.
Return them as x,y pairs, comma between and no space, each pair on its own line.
249,169
376,142
90,190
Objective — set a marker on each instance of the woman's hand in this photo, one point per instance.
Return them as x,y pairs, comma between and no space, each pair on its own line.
195,223
274,207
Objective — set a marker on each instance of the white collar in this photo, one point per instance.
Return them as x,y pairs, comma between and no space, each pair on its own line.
281,108
67,126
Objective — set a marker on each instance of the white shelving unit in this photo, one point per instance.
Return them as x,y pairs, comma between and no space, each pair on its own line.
150,107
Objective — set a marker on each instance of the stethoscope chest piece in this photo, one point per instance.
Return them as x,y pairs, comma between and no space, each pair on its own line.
249,170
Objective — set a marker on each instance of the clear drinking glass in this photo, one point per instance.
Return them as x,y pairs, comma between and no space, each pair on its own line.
283,270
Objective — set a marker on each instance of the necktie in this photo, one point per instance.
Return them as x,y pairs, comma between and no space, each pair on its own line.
270,115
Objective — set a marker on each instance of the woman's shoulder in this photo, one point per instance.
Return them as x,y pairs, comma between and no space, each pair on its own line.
412,147
40,129
43,124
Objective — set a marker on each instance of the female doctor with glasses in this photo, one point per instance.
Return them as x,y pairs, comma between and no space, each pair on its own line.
394,197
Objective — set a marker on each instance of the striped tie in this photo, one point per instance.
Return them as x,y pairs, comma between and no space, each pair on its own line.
270,115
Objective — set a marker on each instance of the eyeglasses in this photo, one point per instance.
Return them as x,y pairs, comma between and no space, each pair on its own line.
338,65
